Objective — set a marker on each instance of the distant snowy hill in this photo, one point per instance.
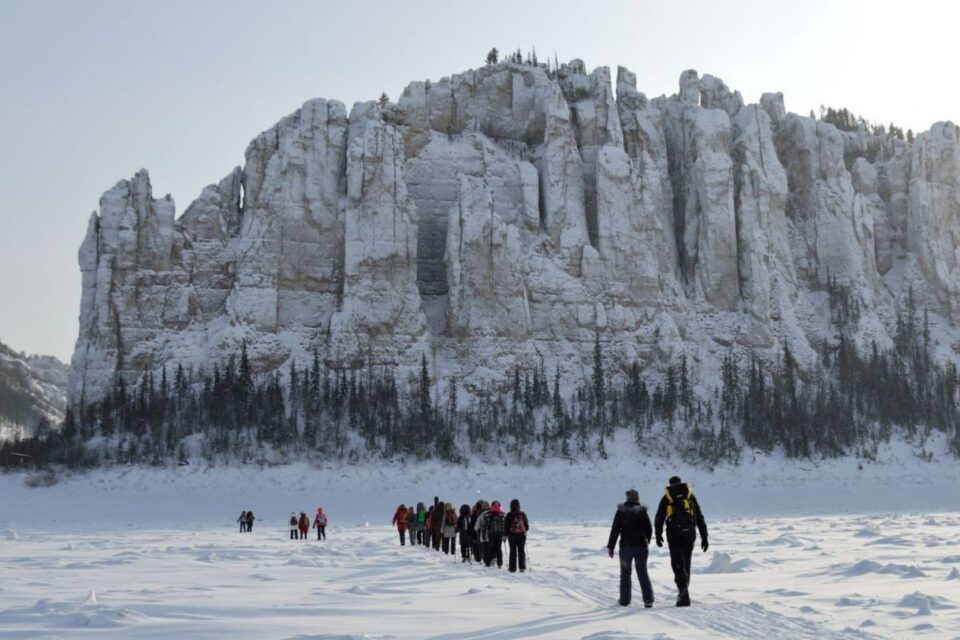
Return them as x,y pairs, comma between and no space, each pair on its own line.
32,389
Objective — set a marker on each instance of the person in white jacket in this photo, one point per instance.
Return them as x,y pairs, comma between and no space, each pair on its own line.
294,525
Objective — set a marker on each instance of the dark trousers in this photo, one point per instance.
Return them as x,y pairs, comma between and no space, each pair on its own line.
518,552
249,527
437,539
681,553
465,546
293,534
403,537
494,551
243,527
449,545
629,557
303,534
321,533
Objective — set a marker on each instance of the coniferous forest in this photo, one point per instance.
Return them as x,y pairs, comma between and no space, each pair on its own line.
228,414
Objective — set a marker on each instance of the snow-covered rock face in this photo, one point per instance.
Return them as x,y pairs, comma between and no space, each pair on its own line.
933,227
33,392
508,215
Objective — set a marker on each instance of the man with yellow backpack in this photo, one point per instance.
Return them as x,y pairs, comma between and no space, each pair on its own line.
680,511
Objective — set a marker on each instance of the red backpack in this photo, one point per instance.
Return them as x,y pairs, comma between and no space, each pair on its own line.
451,518
517,524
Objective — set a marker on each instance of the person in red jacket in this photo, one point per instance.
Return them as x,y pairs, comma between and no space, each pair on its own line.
428,528
400,519
320,524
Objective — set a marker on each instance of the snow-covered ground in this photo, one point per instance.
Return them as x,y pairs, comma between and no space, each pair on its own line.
797,551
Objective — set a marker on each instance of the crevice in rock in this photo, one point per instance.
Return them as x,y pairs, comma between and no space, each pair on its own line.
676,169
541,201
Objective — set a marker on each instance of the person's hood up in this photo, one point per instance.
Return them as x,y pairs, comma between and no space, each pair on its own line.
515,506
495,509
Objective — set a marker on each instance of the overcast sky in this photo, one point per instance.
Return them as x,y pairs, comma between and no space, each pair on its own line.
93,91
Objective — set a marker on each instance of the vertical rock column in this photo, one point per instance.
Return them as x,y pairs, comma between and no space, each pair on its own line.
381,318
933,230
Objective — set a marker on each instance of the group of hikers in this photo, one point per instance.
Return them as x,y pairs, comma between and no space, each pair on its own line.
300,525
246,521
481,530
678,512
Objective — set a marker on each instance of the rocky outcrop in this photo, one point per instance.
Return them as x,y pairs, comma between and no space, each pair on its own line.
933,223
33,392
513,214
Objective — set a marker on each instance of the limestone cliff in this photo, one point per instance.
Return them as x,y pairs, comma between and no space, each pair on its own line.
510,214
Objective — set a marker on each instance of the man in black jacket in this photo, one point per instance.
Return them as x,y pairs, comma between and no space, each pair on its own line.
632,525
680,511
517,527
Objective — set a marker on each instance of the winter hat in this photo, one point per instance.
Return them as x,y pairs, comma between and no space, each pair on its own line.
675,480
633,495
495,508
514,505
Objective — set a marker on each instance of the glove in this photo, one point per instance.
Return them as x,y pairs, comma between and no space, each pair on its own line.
704,545
659,541
610,552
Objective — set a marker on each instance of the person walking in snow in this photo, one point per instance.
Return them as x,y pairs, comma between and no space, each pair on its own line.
250,520
494,527
517,526
439,517
466,533
412,524
479,529
320,524
400,520
304,525
475,546
681,513
294,525
428,528
631,525
421,522
450,530
243,521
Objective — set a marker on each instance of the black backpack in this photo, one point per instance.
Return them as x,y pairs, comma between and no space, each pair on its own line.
293,521
497,524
